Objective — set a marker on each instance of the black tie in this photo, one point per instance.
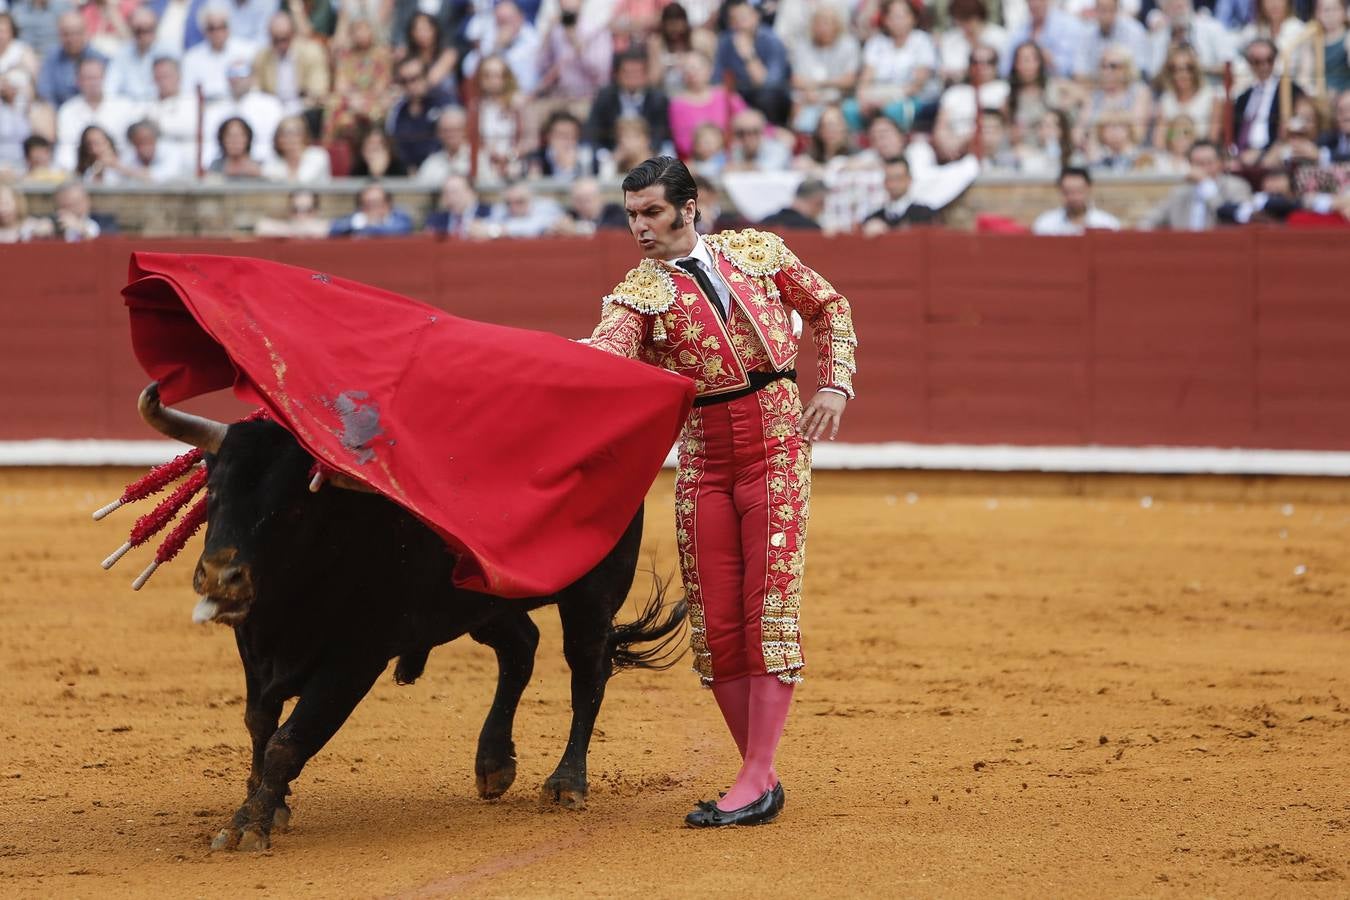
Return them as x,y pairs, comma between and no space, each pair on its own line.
691,266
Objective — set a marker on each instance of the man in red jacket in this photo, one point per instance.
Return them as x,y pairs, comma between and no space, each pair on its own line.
717,309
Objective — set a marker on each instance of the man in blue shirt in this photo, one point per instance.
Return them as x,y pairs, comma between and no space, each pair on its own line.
757,61
57,81
1056,33
412,120
376,216
36,20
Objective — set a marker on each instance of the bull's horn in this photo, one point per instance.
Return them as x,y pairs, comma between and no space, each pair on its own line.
204,434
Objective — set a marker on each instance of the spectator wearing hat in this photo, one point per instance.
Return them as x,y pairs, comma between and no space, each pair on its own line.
808,204
207,65
1076,214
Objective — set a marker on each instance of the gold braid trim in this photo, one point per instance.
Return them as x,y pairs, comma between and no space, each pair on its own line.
756,253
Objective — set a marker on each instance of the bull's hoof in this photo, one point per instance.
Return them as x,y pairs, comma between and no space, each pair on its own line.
557,792
494,783
281,819
249,839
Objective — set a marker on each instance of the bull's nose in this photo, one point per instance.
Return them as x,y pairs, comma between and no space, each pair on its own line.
220,574
230,577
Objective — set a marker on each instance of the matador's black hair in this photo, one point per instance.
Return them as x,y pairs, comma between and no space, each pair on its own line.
672,175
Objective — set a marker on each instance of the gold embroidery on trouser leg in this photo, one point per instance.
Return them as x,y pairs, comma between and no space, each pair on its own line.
687,477
789,478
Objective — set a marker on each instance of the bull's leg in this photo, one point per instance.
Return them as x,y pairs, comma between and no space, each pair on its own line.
326,700
586,628
261,715
514,638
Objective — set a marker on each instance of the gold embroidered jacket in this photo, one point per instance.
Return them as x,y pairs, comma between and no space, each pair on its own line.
659,315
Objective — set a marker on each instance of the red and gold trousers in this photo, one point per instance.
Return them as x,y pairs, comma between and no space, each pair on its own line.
742,494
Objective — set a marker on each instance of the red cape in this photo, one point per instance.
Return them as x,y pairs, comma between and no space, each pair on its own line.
529,454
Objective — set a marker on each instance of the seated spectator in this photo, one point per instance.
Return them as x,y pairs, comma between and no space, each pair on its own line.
16,122
885,140
376,157
1174,22
375,216
899,71
293,69
234,158
260,110
39,162
91,106
1274,21
1051,148
511,38
997,149
631,95
674,37
453,157
1077,214
1182,92
425,41
825,64
900,211
757,61
587,211
1113,145
502,121
179,25
633,147
1335,144
519,215
1257,110
1297,145
1207,195
561,154
207,65
576,57
131,66
1170,159
363,73
412,119
955,125
1057,33
709,156
754,146
1111,29
632,22
459,208
701,102
249,19
314,19
1321,61
58,79
1119,91
973,30
1032,92
14,53
15,225
830,145
174,112
296,161
804,214
73,221
1274,203
302,220
148,159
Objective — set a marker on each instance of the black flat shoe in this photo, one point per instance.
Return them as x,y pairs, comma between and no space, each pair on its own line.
779,797
758,812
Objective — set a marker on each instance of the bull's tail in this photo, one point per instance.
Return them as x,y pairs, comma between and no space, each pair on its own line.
660,628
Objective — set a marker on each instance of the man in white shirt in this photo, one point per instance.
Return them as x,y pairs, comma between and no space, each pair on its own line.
1077,214
1176,22
130,72
148,158
174,112
1110,28
90,107
515,40
206,64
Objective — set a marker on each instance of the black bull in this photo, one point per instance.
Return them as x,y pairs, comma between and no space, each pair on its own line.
324,588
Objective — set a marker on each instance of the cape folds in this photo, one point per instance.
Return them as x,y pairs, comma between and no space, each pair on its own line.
529,454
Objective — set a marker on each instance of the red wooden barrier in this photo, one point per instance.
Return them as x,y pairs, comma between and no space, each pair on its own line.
1237,338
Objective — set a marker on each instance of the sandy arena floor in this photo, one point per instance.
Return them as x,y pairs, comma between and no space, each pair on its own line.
1017,686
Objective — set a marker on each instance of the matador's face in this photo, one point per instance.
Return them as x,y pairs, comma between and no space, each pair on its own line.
661,230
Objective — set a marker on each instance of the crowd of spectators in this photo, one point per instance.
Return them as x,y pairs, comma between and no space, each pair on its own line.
859,101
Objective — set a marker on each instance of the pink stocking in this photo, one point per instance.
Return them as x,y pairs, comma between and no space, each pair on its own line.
770,700
733,698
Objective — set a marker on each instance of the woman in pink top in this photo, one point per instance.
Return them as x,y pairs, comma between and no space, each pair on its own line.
700,102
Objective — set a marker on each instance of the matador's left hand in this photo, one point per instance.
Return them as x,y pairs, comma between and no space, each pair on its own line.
822,415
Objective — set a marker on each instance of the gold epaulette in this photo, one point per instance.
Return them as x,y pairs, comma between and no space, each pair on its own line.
646,289
755,253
